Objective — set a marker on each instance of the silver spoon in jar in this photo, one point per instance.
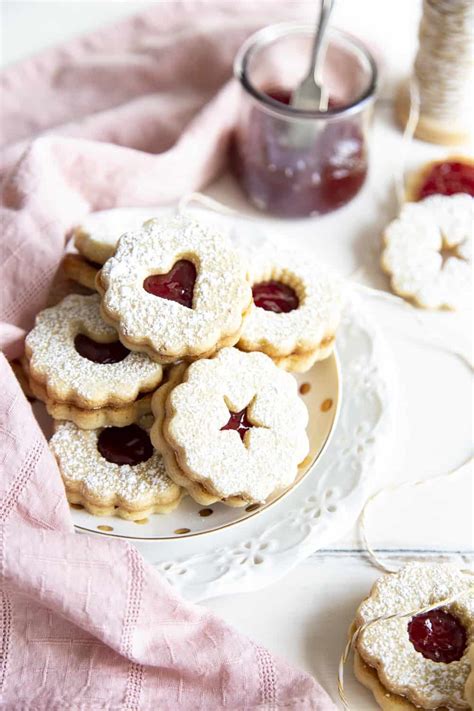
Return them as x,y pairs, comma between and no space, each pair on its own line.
311,94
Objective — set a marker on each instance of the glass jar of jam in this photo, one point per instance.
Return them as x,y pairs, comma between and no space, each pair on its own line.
291,162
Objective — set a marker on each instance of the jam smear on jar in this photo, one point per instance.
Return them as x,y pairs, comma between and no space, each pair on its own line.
275,296
125,445
448,178
438,636
104,353
238,421
177,285
294,181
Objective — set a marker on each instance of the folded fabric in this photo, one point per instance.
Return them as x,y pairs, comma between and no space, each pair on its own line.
86,623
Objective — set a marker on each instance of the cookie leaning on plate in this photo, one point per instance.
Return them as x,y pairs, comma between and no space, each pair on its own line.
175,288
114,470
295,312
79,368
96,237
231,428
422,661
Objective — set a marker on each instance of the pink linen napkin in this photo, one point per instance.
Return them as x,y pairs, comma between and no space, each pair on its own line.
86,623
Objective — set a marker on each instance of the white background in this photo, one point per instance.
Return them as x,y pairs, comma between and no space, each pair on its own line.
304,617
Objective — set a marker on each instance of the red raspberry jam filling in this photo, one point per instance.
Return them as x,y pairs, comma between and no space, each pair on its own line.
125,445
104,353
238,421
177,285
275,296
438,636
448,178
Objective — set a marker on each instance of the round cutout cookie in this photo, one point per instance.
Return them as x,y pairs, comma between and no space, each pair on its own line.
423,659
175,289
75,358
114,471
428,252
295,312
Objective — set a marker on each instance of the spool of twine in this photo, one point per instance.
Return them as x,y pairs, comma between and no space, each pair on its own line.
443,73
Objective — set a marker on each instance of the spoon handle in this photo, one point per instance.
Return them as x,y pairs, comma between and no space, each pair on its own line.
316,55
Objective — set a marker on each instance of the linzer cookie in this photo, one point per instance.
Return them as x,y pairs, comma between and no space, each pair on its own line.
80,369
422,661
428,251
80,270
114,471
448,176
96,239
175,289
89,419
295,312
97,236
231,428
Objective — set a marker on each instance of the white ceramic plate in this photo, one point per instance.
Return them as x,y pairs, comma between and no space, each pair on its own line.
264,547
322,398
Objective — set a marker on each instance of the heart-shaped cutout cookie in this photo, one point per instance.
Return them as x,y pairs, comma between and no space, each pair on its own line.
177,285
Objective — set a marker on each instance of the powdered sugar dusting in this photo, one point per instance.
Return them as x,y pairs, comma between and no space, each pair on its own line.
67,375
413,244
317,316
81,463
221,291
273,448
97,235
387,646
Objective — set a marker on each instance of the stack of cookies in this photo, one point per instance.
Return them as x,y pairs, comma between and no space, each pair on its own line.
172,378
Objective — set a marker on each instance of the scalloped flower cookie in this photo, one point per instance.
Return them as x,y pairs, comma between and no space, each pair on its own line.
420,661
295,312
96,237
231,428
175,288
76,359
114,470
428,251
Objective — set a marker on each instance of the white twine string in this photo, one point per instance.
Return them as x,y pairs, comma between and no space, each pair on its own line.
398,487
465,358
407,138
208,202
444,62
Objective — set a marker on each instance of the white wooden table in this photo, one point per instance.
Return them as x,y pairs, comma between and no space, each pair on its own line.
304,617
